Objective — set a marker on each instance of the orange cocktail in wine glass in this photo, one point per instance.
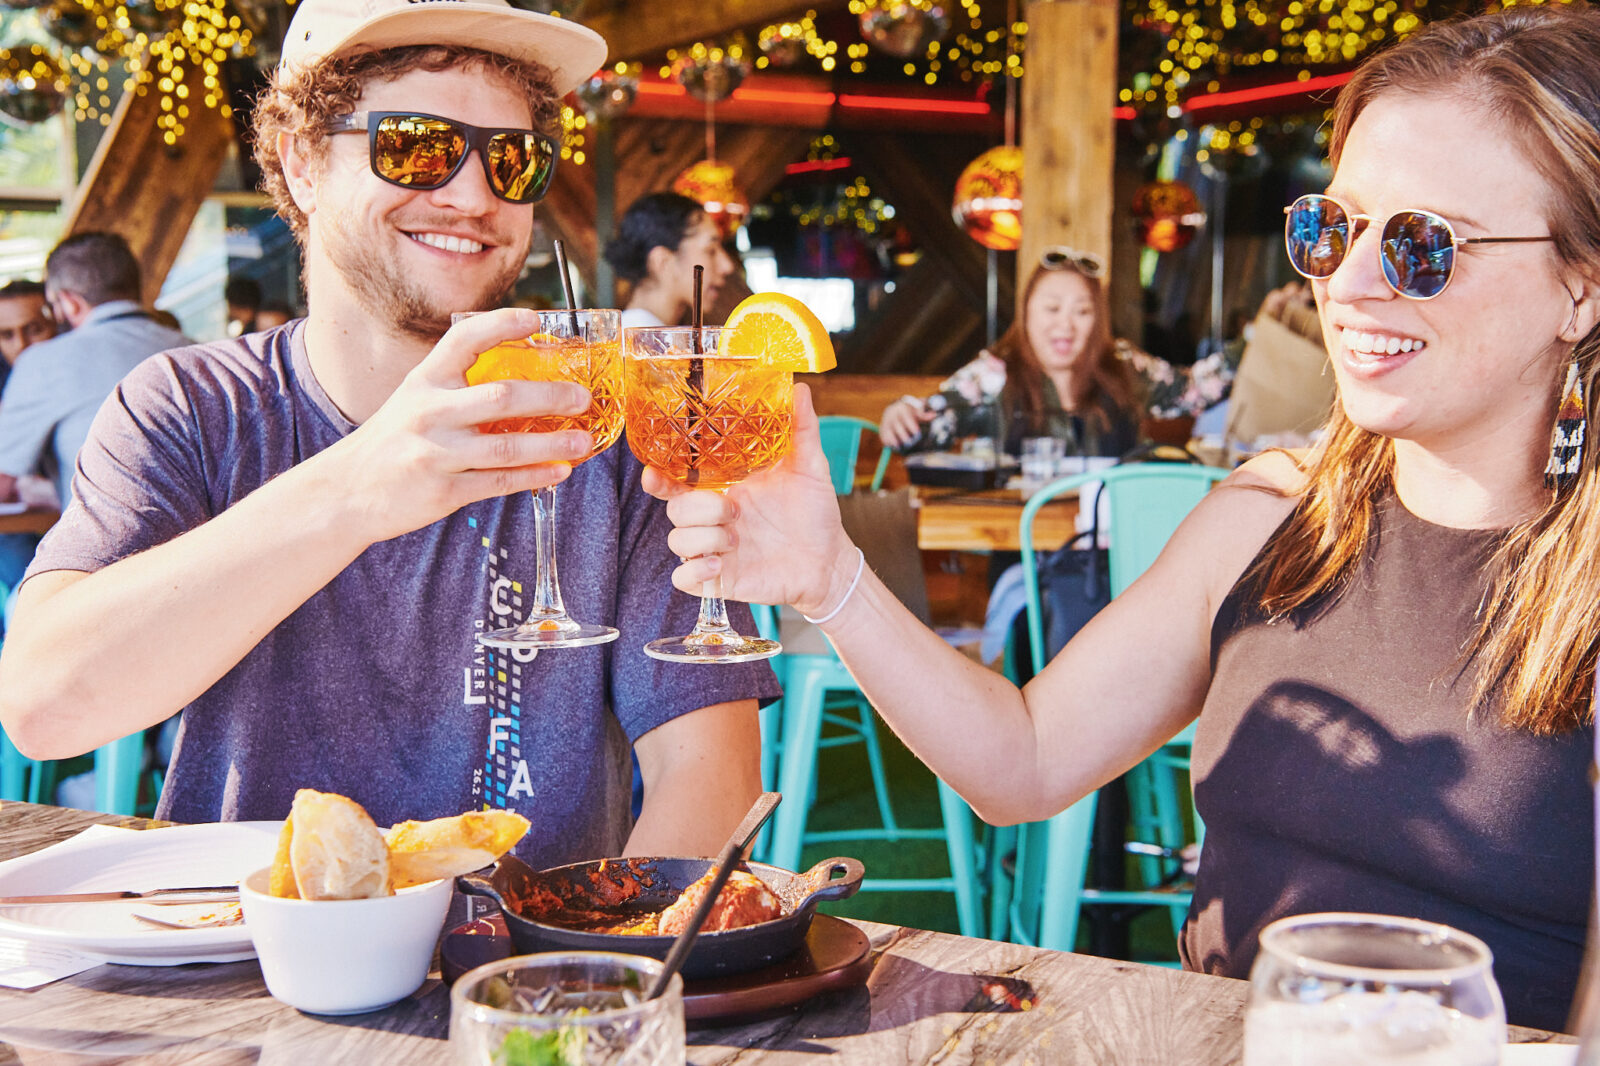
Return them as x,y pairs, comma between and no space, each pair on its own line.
582,347
710,407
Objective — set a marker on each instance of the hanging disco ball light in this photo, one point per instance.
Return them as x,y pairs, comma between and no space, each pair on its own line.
70,24
608,94
711,75
988,200
1167,215
33,84
784,45
712,185
904,28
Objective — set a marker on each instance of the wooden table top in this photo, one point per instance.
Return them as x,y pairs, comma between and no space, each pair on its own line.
987,521
925,1002
33,520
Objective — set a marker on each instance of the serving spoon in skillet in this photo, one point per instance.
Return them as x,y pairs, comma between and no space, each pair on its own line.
731,856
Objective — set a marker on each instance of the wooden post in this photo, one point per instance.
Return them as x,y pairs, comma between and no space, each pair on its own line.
1069,88
146,190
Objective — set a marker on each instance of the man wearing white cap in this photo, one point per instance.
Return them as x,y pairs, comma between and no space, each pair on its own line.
294,536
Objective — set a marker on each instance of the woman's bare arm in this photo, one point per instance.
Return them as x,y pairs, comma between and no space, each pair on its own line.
1130,680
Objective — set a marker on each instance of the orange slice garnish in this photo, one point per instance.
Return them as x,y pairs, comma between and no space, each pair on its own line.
781,332
506,359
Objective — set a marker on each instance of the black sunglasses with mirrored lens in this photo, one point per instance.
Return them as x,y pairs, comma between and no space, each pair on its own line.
417,151
1416,248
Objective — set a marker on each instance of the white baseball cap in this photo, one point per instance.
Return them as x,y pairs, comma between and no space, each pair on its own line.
326,27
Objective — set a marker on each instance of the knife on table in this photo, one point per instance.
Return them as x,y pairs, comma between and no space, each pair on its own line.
199,894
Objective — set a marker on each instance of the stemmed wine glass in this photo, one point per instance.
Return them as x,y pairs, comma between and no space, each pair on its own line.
582,347
1332,989
706,419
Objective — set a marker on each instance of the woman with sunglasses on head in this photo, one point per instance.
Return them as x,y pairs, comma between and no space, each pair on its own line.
661,238
1390,641
1057,372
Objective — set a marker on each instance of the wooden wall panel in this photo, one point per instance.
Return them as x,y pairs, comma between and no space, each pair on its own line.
650,153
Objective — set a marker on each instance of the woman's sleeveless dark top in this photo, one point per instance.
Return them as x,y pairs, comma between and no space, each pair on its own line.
1337,768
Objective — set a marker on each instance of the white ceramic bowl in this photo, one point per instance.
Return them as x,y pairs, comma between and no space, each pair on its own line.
344,956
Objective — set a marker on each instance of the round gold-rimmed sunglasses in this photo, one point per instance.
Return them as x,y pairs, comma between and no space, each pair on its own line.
1416,248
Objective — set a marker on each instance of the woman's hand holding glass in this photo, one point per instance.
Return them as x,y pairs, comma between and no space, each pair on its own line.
775,537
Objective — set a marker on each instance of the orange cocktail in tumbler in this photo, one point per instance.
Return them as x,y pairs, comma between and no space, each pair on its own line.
712,419
734,422
542,357
583,347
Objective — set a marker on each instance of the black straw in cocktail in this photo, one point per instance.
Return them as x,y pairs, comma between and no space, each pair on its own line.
697,371
566,285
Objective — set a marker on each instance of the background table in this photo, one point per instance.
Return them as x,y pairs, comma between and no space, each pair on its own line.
988,521
932,998
32,520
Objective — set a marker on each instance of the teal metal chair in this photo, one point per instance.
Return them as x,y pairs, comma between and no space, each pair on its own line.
117,766
1047,891
841,443
819,692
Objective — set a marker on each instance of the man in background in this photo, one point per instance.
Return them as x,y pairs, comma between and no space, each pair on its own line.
24,320
92,283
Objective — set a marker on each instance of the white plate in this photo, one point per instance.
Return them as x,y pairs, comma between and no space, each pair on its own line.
214,854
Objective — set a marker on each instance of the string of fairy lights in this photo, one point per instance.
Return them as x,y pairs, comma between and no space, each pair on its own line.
1170,48
851,203
175,48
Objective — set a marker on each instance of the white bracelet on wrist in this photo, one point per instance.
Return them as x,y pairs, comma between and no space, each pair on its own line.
861,565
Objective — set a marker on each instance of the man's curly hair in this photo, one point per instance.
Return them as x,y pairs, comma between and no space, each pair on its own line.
305,102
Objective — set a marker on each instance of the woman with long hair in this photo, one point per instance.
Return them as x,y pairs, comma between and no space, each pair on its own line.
1390,640
660,239
1057,372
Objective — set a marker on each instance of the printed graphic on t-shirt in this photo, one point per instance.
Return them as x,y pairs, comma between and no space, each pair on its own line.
494,683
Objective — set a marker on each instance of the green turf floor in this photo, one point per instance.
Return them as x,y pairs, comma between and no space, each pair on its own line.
845,800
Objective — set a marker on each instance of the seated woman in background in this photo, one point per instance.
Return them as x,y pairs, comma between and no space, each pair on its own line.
659,242
1390,640
1056,372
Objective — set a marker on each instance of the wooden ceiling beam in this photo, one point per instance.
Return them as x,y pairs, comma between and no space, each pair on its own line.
147,191
637,31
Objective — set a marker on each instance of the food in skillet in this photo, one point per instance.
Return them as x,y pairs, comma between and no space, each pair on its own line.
330,849
610,904
744,900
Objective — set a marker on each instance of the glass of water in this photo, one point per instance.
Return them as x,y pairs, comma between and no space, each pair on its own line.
582,1008
1041,457
1371,990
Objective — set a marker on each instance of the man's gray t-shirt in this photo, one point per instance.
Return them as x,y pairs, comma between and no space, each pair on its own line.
375,688
58,384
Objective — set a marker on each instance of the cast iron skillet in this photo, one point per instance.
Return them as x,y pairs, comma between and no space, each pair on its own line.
652,884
